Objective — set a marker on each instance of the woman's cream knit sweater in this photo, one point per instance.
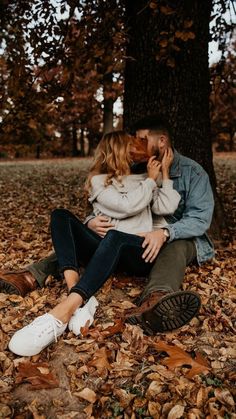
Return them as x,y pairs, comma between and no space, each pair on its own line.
134,205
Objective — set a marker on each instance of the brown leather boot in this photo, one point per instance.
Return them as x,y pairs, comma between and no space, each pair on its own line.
166,312
146,305
17,282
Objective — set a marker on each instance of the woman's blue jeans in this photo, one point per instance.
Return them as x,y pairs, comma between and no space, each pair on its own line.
76,245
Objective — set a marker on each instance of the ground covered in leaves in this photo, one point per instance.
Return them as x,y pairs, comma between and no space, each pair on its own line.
113,370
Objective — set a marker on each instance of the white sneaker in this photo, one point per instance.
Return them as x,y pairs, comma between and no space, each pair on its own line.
83,315
34,337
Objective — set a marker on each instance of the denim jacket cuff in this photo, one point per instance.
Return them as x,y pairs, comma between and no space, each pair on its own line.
171,230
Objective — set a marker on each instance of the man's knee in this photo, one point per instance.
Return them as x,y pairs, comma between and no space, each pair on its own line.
180,250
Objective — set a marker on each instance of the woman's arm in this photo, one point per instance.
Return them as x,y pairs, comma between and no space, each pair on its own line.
116,204
165,199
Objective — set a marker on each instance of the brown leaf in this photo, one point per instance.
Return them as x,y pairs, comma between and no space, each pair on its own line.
100,360
224,397
124,397
202,396
176,412
34,410
3,340
154,389
134,336
154,409
87,394
37,374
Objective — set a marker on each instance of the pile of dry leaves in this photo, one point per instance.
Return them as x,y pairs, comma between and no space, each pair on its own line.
112,370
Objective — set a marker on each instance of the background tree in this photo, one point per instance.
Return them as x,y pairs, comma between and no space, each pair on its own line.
223,102
59,58
168,71
68,55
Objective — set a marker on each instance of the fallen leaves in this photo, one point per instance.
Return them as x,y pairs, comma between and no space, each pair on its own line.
112,369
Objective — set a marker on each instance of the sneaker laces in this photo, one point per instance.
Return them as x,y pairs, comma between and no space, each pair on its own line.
49,319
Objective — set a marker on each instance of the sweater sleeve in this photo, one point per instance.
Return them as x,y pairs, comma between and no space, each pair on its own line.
165,199
120,205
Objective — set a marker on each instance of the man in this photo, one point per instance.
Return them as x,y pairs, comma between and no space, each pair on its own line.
182,241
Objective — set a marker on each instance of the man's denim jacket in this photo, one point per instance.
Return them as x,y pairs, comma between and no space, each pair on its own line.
194,213
193,216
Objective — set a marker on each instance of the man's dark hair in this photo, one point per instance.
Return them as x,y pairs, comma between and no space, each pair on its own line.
155,123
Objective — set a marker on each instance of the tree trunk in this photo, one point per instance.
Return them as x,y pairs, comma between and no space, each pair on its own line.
75,152
82,151
180,90
107,104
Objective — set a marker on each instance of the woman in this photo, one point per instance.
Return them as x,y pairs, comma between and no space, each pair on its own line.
128,200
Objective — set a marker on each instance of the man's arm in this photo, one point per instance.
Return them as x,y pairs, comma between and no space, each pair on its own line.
199,206
196,218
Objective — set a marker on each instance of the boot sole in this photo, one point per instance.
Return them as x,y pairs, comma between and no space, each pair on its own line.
8,288
171,312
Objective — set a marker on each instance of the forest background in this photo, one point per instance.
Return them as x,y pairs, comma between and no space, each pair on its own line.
64,67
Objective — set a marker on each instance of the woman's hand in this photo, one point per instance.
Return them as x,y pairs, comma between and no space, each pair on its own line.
166,162
153,168
100,225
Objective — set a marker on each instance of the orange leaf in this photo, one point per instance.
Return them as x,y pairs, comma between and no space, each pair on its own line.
184,36
163,43
166,10
178,358
188,24
153,5
113,330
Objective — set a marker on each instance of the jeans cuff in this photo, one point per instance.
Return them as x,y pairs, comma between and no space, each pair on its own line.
68,267
80,292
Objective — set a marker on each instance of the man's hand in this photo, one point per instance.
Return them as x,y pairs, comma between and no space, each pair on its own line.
166,162
153,242
100,225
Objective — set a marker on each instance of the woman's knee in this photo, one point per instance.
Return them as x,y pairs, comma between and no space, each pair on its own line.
60,213
112,235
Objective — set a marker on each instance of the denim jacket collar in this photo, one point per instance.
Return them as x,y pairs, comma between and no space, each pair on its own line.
175,170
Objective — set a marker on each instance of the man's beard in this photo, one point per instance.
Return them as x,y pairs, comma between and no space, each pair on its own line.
156,153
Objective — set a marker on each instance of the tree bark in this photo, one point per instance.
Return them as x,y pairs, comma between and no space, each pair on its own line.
181,92
75,152
107,103
82,151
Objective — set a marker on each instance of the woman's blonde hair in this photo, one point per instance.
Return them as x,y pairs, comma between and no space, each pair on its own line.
112,156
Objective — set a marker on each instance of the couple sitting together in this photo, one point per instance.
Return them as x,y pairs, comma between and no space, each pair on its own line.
149,220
